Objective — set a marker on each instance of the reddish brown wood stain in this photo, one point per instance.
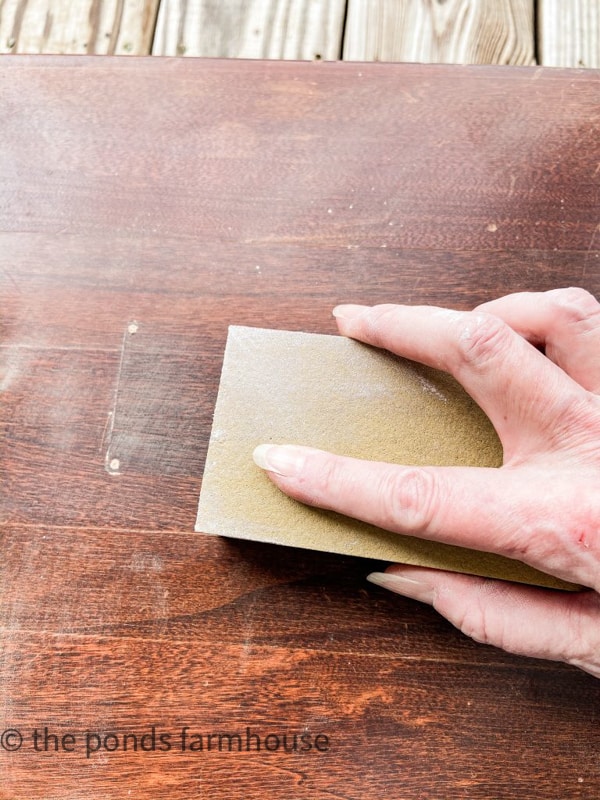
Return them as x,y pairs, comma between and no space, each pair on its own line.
183,196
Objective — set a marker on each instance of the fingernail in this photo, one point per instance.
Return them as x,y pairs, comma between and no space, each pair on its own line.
418,590
284,460
348,311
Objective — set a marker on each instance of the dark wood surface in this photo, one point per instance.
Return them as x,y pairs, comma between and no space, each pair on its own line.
144,206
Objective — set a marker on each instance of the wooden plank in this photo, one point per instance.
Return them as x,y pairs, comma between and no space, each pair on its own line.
102,27
569,33
209,581
394,726
450,32
288,29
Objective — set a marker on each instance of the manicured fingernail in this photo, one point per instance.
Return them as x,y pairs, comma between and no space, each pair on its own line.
418,590
284,460
348,311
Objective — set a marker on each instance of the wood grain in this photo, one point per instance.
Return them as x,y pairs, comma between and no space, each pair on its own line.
458,31
442,31
290,29
569,33
257,194
103,27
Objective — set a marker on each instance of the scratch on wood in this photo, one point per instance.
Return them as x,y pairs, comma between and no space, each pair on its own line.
593,239
590,253
11,279
111,463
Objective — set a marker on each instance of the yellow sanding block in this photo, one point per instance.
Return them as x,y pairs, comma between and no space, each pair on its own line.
340,395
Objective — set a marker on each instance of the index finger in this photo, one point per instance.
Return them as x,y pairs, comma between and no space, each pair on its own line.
516,386
486,509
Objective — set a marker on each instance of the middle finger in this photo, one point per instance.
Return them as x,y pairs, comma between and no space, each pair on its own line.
520,390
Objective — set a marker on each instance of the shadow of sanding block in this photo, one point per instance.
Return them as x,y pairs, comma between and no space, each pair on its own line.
340,395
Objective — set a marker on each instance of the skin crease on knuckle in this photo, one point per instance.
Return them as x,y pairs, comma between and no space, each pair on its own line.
582,648
481,339
476,623
486,615
327,480
409,497
577,307
573,633
490,614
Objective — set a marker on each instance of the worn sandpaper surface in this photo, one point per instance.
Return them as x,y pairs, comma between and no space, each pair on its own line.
340,395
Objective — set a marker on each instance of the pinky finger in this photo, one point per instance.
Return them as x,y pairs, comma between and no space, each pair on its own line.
521,619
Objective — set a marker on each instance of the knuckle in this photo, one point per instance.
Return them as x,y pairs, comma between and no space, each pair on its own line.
582,647
575,304
480,622
328,476
323,481
410,499
475,625
481,338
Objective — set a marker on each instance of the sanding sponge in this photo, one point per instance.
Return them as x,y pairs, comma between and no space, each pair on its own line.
340,395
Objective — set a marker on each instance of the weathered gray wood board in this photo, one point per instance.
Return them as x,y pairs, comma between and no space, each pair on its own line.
569,33
103,27
456,31
289,29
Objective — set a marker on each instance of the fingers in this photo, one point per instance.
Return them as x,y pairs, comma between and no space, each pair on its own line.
519,389
516,513
566,322
521,619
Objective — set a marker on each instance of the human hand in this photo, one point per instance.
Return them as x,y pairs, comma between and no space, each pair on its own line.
541,507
